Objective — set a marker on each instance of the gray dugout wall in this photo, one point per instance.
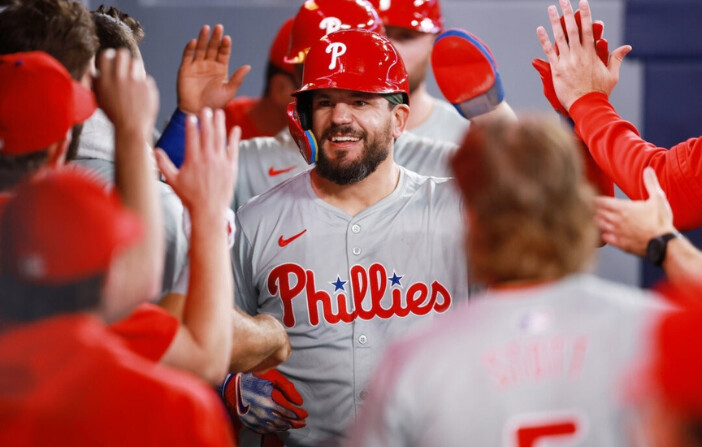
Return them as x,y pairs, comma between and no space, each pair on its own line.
508,27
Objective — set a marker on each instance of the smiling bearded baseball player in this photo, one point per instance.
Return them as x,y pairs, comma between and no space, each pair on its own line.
350,253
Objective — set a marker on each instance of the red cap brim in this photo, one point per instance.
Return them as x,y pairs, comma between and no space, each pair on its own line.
83,102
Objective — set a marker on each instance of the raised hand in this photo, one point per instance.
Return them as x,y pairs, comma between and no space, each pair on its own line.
203,74
126,94
575,64
207,177
629,225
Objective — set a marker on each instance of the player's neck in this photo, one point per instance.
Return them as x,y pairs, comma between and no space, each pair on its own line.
267,116
355,197
421,107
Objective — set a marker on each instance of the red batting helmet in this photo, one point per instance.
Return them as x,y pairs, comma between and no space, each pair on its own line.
420,15
279,48
318,18
356,60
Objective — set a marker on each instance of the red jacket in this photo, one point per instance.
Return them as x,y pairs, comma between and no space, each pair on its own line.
619,150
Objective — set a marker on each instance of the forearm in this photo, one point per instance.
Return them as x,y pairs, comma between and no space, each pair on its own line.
260,342
206,313
618,149
683,263
502,111
135,182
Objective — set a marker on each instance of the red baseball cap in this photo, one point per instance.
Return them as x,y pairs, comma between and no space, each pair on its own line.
677,366
317,18
39,102
62,226
419,15
279,48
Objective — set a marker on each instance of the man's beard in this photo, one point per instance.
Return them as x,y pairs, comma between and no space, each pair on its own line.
375,152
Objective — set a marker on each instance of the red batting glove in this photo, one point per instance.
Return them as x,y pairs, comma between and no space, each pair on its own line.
544,68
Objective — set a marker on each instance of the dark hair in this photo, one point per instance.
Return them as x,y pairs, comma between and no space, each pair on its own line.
23,302
14,168
272,70
116,29
62,28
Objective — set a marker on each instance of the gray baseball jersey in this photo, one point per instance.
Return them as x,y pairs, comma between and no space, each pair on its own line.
520,368
443,124
344,285
267,161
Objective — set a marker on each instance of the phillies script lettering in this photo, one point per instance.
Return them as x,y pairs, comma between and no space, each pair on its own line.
368,287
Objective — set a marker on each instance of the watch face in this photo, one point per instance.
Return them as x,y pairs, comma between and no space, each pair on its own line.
655,250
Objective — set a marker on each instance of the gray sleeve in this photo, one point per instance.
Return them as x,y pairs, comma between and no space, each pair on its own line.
245,293
176,240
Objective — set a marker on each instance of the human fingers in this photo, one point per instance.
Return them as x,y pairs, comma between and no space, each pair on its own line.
214,42
201,45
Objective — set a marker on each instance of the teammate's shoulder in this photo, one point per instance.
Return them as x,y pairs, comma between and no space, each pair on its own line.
278,142
289,190
624,296
438,185
411,139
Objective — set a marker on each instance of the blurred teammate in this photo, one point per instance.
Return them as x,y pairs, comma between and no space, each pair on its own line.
540,355
66,377
265,116
413,27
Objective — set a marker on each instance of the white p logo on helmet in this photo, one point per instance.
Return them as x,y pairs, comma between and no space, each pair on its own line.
330,24
336,49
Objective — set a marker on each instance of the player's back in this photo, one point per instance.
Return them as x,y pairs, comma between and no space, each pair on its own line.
514,368
68,381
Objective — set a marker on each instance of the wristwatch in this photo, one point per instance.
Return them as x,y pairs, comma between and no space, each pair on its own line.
656,248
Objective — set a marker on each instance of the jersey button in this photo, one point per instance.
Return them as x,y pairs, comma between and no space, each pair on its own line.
363,395
356,251
356,228
362,339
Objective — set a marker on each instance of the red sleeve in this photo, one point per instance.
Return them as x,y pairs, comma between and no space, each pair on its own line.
149,330
622,154
237,114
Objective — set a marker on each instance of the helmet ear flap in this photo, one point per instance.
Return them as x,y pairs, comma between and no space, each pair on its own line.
303,137
304,110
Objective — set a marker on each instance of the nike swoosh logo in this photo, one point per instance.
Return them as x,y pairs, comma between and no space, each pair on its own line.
273,172
283,242
242,408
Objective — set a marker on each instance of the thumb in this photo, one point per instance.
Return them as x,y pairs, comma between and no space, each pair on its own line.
616,58
543,67
166,166
237,78
653,188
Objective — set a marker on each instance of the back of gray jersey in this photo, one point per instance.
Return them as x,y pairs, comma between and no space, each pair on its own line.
343,286
267,161
518,368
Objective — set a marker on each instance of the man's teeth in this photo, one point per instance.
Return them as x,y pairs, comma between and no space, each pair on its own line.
343,139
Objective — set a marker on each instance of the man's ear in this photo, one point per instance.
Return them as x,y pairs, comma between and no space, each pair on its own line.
400,115
58,151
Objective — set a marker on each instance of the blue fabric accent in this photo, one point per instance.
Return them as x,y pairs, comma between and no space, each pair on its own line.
172,139
312,142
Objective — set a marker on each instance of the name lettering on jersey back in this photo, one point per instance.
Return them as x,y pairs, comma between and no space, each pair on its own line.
368,287
555,357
